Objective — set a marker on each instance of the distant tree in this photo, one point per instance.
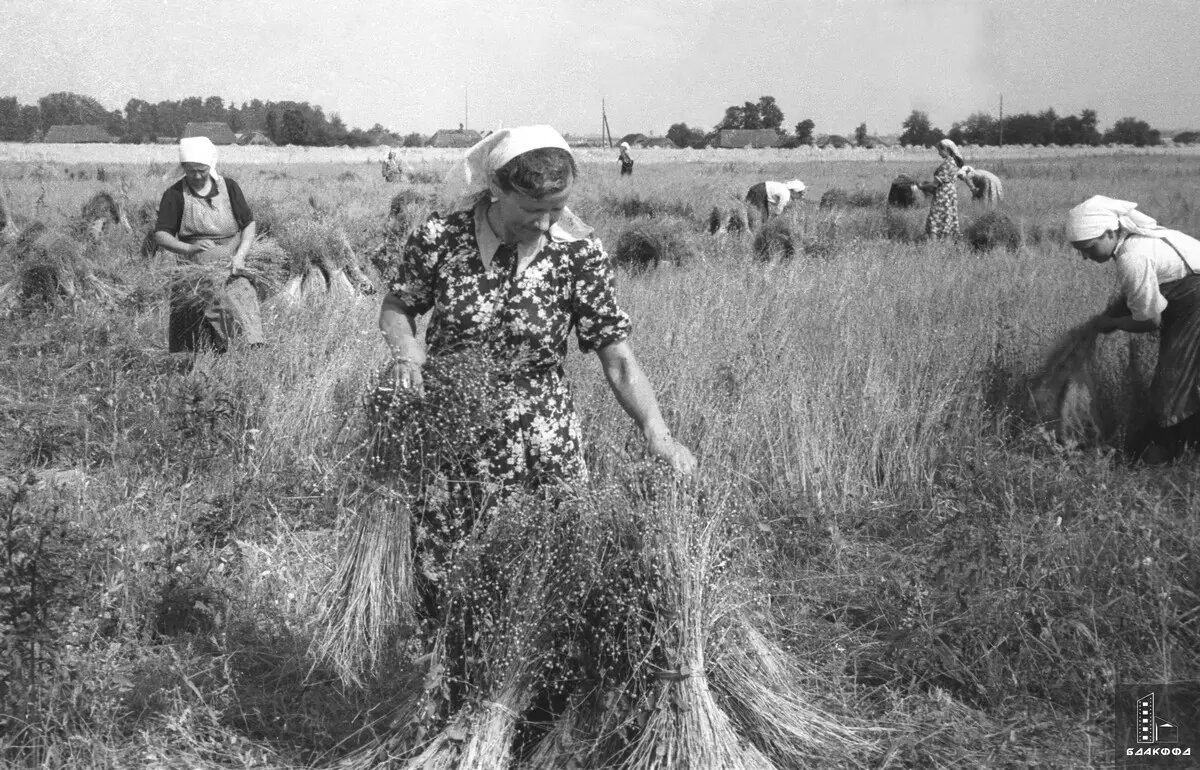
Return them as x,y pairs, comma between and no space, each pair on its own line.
804,131
682,136
1186,137
1132,131
13,127
140,118
411,140
860,135
769,113
762,114
918,131
67,109
980,128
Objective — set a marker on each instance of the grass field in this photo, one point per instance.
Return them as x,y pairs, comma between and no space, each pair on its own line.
959,587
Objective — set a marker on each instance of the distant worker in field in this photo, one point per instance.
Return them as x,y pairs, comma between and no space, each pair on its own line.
625,160
943,210
392,171
205,219
985,186
768,199
1158,275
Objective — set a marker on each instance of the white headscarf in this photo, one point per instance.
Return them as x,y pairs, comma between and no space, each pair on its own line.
1099,214
952,148
491,153
965,172
624,145
795,186
199,149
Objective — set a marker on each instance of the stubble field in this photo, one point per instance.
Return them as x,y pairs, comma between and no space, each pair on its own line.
960,589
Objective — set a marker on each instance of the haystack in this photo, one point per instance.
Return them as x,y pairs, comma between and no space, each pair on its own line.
652,241
321,255
733,221
779,238
1064,390
838,197
993,229
904,192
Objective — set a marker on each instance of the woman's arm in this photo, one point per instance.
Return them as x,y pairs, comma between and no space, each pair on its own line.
1117,317
238,261
399,327
636,396
172,244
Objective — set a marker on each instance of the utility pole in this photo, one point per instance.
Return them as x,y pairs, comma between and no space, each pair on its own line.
605,134
1001,120
466,107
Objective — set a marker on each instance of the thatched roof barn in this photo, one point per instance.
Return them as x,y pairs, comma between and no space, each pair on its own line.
747,137
455,137
255,139
78,135
219,133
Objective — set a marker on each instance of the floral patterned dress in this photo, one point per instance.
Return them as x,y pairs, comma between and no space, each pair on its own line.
522,320
943,211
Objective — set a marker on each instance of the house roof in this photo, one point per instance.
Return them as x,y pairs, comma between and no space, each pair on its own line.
219,133
255,138
747,137
455,137
78,134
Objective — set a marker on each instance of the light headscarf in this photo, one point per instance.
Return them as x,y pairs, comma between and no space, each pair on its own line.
1099,214
624,145
491,153
199,149
795,186
952,148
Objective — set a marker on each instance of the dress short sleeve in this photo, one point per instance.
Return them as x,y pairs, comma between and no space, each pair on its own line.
597,318
416,277
170,210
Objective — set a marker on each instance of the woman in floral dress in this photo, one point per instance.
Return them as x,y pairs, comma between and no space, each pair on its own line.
512,276
943,211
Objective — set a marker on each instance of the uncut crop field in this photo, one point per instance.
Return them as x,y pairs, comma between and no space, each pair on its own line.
961,587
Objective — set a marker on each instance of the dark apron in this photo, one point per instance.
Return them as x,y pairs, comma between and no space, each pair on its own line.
1175,391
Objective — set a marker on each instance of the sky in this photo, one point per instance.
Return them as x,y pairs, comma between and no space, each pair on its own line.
421,66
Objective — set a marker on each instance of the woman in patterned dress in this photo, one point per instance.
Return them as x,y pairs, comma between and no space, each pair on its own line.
513,275
943,211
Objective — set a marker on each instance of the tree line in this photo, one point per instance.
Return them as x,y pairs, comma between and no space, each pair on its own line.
285,122
1045,127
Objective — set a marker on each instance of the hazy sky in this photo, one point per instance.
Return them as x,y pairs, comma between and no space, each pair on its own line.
415,66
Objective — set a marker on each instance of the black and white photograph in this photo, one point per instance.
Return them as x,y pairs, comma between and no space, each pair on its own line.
580,385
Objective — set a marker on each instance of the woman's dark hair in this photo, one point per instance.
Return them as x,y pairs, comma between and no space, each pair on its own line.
538,173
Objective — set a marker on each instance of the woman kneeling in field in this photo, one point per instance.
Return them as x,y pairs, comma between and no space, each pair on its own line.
205,219
1158,273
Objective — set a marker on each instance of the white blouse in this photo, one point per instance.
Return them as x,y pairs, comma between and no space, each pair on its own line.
1143,263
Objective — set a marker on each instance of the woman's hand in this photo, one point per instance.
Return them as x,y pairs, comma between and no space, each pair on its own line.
666,448
406,376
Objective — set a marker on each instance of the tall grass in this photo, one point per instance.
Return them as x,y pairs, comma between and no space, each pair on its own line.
937,565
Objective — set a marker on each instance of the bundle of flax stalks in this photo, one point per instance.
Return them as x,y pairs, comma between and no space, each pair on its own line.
1064,390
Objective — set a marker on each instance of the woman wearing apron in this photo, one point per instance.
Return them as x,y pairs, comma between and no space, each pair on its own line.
1158,275
204,218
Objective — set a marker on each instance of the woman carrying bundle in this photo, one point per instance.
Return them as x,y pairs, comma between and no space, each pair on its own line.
943,211
512,275
204,218
1158,275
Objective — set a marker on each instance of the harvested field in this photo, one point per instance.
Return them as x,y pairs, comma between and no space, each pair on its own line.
893,559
